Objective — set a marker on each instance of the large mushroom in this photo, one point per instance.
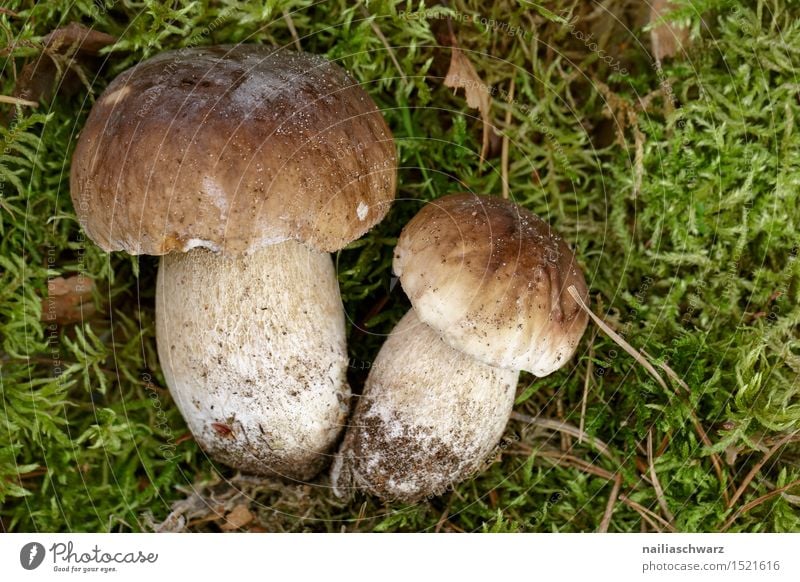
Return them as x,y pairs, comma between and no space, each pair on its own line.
244,166
488,285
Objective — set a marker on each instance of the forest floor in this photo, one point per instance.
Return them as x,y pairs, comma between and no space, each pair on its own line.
675,180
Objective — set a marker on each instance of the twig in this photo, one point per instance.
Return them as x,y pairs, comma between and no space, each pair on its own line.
385,42
756,502
612,501
564,427
585,397
32,474
18,101
751,475
662,502
504,152
287,18
444,516
616,337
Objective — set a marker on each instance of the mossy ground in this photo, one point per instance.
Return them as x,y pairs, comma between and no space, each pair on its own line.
677,187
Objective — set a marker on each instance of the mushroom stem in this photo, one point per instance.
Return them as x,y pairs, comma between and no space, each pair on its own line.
429,417
253,352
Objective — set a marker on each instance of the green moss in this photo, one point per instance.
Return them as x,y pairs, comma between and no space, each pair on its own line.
690,249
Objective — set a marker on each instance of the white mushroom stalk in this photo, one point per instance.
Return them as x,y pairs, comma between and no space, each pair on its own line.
244,167
429,417
253,350
487,281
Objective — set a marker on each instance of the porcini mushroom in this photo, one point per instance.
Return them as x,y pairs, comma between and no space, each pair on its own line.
244,166
488,284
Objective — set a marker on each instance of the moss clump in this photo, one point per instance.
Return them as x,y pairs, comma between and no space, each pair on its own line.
677,186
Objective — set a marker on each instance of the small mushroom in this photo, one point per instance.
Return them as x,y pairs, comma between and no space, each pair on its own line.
244,166
488,284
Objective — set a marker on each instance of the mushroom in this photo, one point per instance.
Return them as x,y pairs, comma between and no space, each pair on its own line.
243,166
488,284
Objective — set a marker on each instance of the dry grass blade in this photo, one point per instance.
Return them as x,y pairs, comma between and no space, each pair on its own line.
379,33
645,518
715,460
756,502
504,153
287,18
566,441
662,502
638,160
18,101
670,372
561,459
585,397
643,511
565,460
633,352
564,427
751,475
793,499
612,501
362,512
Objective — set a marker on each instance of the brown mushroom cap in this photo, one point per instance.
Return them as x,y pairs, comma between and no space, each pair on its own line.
232,148
492,279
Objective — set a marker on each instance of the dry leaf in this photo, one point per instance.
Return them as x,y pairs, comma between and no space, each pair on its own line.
239,517
36,80
462,74
667,38
75,47
75,36
68,300
731,454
